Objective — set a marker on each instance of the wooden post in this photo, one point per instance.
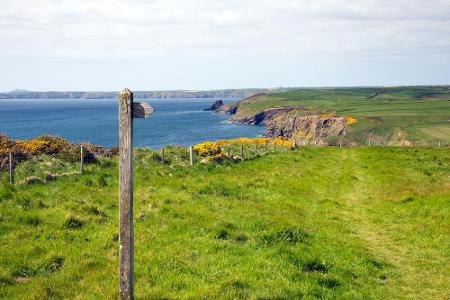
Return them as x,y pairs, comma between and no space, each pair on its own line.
340,143
439,144
369,143
126,241
191,155
229,151
127,111
81,159
256,149
11,170
162,155
242,152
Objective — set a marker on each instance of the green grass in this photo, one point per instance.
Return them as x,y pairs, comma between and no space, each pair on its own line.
420,114
313,222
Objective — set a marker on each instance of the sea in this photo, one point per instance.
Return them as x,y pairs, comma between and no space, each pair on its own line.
174,122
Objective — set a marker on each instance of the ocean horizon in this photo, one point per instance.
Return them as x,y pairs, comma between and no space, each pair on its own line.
176,121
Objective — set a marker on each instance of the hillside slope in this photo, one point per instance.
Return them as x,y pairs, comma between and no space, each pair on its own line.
314,222
385,116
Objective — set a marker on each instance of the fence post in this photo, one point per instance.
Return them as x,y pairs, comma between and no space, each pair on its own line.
11,170
340,143
242,152
81,159
229,151
256,149
126,241
162,155
191,155
439,144
127,112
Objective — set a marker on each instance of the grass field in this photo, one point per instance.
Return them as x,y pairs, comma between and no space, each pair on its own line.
420,115
312,222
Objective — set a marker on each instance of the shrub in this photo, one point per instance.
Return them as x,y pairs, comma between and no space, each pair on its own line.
350,120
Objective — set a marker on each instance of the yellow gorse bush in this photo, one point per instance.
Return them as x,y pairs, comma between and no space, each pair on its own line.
214,148
32,147
207,148
350,120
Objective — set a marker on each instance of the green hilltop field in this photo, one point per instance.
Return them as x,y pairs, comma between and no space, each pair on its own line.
313,222
388,115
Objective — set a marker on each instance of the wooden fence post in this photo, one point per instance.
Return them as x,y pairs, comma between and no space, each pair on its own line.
126,240
256,149
127,111
229,151
162,155
81,159
191,155
11,168
242,152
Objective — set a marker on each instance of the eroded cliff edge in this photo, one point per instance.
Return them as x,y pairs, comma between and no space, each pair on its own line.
299,124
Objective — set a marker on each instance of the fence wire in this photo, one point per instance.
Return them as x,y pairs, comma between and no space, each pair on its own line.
30,169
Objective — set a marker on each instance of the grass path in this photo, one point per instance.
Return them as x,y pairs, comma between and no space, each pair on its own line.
411,269
358,223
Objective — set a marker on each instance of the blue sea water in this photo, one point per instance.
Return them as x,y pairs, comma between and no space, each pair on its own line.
175,121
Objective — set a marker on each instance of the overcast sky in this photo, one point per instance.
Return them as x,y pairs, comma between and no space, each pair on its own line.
205,44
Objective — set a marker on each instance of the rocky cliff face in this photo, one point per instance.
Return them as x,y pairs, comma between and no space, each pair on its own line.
217,105
221,108
301,128
297,124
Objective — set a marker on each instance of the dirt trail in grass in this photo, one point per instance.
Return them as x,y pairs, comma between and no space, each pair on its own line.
355,197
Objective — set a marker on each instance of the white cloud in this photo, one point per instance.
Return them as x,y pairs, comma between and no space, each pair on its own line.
158,30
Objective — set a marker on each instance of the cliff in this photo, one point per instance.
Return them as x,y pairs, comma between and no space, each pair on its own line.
295,123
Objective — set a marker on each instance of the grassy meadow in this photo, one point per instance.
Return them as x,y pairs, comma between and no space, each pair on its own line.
371,223
419,115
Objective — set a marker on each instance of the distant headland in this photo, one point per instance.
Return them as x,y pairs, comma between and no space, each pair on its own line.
225,93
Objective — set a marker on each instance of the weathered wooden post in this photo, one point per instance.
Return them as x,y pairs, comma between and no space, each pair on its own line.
256,149
11,168
127,111
242,152
81,159
162,155
191,155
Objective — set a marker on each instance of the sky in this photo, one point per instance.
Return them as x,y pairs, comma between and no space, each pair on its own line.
106,45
